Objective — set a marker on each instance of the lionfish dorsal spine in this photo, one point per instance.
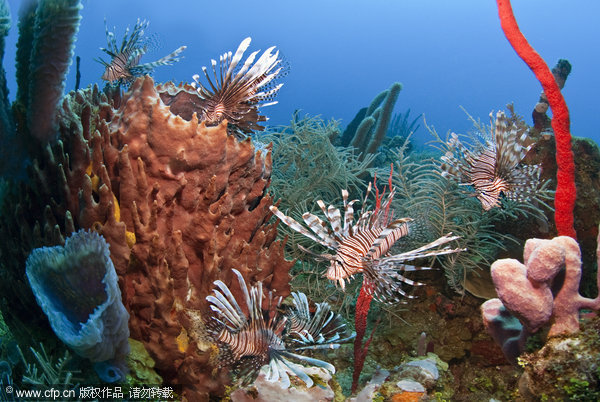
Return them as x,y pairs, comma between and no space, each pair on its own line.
239,53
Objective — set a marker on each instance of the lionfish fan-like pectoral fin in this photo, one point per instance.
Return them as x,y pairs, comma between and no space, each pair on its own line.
317,225
323,327
388,236
386,282
239,53
294,225
309,360
301,304
525,183
318,257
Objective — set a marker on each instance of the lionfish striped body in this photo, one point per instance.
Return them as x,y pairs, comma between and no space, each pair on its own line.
364,247
124,66
238,91
492,168
251,337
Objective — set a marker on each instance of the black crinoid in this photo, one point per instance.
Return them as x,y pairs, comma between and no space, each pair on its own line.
240,90
493,166
254,332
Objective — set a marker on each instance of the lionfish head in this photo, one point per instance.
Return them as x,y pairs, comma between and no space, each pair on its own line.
338,271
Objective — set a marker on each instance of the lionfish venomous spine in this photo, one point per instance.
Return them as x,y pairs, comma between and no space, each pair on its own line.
239,90
124,65
363,246
492,168
250,336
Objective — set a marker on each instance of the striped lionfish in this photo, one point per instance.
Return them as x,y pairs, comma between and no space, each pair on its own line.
250,336
124,65
492,167
363,247
238,91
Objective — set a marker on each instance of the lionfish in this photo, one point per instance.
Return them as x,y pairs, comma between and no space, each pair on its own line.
251,337
124,65
363,247
492,168
238,91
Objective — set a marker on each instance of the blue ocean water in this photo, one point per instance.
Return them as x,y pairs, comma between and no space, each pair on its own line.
342,53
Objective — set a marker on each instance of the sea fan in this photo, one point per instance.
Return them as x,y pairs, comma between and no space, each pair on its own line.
237,92
250,336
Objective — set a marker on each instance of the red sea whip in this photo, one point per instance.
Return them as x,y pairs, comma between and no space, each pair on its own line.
564,200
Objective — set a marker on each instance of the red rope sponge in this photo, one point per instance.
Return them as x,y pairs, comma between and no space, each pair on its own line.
564,199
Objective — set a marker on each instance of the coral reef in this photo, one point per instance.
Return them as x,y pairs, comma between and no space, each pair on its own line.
76,286
178,202
566,368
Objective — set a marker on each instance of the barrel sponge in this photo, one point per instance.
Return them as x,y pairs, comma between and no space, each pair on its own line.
77,287
56,26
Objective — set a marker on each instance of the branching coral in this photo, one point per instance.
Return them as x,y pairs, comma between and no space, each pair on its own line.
179,203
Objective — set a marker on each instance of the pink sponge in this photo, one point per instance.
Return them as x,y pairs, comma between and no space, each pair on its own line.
525,290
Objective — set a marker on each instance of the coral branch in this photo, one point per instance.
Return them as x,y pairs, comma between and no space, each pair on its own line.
363,304
564,200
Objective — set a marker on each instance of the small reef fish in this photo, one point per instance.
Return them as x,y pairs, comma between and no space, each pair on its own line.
124,65
363,247
493,167
250,336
